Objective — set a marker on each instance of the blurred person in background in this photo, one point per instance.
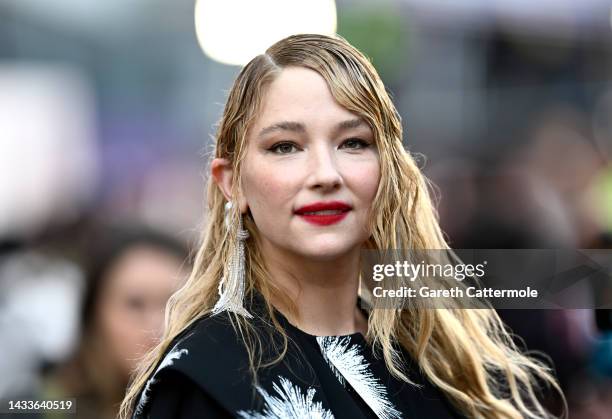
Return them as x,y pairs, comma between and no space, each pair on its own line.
132,273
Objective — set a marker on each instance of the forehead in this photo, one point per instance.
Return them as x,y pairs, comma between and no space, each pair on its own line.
300,94
144,264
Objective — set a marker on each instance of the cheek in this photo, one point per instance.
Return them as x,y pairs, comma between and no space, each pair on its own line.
363,178
121,331
268,189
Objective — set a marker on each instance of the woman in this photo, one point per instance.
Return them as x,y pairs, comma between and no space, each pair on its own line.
269,325
132,273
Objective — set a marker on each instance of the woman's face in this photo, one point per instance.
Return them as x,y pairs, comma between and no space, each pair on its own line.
311,169
130,311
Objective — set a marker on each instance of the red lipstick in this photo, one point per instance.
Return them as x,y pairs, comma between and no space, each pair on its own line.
324,213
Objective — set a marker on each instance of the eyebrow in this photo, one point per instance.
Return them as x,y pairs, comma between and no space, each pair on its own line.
301,128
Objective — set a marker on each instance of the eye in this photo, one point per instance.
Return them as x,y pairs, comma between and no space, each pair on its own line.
283,148
355,144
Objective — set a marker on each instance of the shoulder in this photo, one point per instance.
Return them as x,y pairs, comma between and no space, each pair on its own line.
209,356
207,334
212,343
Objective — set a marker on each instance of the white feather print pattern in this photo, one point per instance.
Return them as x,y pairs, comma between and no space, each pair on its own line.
348,364
291,403
169,359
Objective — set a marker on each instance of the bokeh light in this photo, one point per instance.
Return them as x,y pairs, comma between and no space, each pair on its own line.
234,31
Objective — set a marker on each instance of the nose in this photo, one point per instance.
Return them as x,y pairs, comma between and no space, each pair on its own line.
324,174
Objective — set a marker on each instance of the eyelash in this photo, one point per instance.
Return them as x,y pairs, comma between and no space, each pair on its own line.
363,145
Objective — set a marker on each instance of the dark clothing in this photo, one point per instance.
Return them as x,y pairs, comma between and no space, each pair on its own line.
206,375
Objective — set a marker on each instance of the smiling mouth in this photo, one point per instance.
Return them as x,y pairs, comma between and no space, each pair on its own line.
324,213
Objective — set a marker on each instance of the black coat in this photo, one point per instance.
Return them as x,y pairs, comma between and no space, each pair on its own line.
206,375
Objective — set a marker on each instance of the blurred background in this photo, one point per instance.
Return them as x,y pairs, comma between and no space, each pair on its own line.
107,110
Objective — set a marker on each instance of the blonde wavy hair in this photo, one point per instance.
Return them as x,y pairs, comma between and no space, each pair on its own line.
466,353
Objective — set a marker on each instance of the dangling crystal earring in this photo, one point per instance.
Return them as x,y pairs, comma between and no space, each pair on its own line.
231,286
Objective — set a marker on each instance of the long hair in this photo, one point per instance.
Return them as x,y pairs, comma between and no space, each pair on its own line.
467,354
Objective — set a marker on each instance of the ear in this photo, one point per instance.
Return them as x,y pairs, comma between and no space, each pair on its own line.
221,171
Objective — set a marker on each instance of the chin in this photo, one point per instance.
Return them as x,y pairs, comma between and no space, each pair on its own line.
325,252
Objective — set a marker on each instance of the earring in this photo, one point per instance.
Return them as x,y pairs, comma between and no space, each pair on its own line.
231,286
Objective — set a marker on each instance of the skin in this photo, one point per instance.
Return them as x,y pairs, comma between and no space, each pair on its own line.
130,312
285,169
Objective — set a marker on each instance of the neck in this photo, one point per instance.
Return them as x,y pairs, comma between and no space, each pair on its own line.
324,292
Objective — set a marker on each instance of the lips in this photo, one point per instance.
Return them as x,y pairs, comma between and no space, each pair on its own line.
324,213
